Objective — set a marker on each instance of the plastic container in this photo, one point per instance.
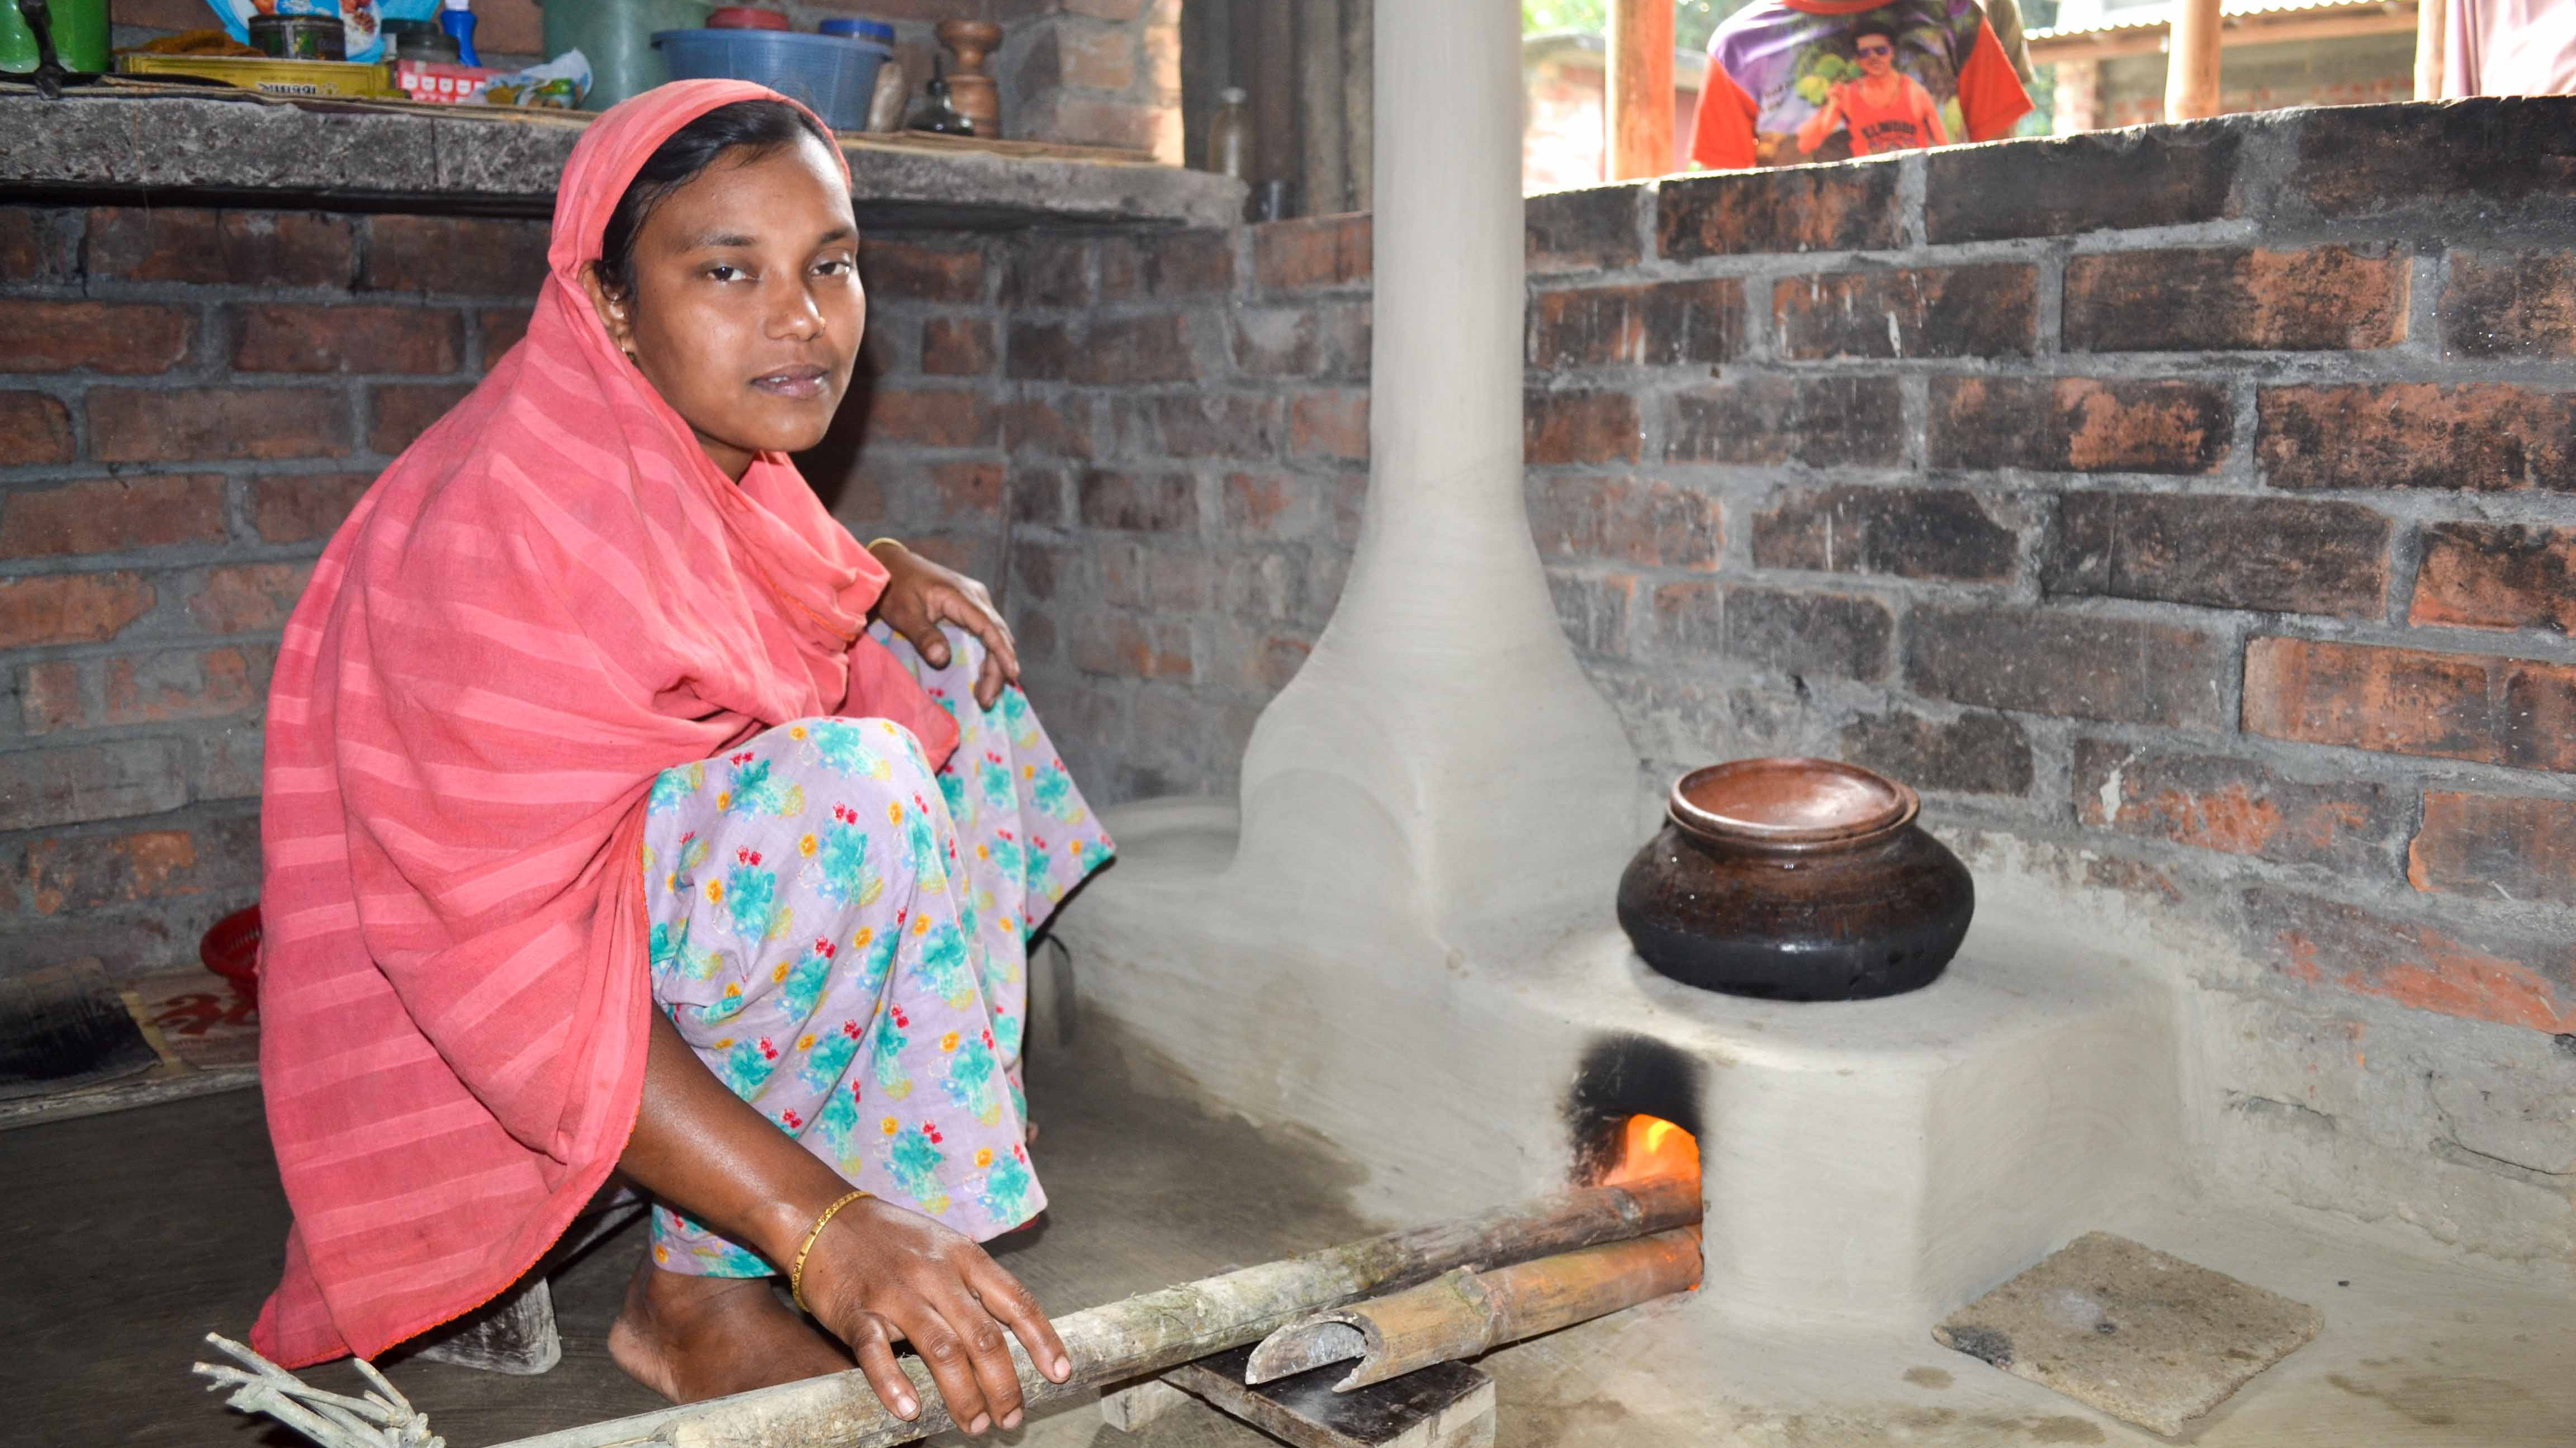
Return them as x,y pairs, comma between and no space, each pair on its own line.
834,75
456,17
79,33
880,31
231,950
617,36
749,17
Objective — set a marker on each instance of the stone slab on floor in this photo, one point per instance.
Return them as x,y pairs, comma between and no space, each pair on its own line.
2145,1337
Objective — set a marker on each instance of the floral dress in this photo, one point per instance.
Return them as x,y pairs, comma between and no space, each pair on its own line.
841,934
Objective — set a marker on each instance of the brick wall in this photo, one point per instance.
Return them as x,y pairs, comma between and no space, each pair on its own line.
2196,507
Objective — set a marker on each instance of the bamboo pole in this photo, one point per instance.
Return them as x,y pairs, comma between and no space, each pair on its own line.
2431,36
2191,61
1158,1330
1637,97
1464,1314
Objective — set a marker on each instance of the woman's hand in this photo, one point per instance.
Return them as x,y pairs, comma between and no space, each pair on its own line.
921,595
880,1272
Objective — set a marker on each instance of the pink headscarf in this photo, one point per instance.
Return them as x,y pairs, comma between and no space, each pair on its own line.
548,599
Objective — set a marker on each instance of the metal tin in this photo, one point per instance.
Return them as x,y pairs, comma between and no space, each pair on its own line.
299,37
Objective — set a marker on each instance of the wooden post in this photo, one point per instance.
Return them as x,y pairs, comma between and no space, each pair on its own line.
1465,1314
1637,99
1160,1330
2191,61
2432,35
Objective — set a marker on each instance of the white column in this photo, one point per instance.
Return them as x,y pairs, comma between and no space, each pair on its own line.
1441,756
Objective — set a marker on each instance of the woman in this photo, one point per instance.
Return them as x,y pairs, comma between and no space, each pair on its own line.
593,620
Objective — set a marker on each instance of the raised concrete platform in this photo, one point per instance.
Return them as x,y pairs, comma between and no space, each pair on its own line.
219,146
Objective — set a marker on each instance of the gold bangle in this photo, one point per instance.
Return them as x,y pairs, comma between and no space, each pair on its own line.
796,1272
873,542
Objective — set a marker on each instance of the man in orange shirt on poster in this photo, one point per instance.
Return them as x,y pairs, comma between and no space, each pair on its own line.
1886,109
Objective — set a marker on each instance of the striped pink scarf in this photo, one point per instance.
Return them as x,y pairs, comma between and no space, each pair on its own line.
548,599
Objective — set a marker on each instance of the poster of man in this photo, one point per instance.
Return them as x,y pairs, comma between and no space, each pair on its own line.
1791,81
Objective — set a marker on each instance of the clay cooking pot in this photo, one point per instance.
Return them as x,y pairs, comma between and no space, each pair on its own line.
1795,879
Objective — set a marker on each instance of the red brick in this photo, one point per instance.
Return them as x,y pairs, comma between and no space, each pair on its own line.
957,346
400,412
1055,427
2079,425
1594,610
2100,180
348,339
1761,420
1591,229
1109,351
502,327
2496,575
1794,632
1278,660
915,272
70,608
2279,555
37,247
1966,311
1644,521
249,597
34,429
49,697
465,255
1329,425
1097,58
1309,341
111,515
2472,168
128,339
117,779
1972,754
2539,715
963,493
1316,251
2234,806
2364,696
2495,847
1197,262
300,507
1090,120
1138,502
1049,270
1900,532
2492,976
2213,299
129,425
222,248
87,872
185,684
1580,427
1665,324
920,418
1843,208
2487,437
1270,506
1202,424
2504,304
1128,647
2072,665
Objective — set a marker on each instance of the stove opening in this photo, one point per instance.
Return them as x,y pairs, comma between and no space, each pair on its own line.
1633,1111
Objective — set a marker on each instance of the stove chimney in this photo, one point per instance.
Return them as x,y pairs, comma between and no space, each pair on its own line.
1441,760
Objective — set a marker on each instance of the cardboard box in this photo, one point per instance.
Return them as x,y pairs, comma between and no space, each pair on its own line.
277,77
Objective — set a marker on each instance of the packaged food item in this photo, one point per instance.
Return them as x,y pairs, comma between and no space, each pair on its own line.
276,77
442,83
558,84
361,21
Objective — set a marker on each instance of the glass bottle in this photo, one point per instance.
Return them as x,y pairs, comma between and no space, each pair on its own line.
1229,143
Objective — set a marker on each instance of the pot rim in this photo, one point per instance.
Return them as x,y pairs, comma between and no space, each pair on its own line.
1719,829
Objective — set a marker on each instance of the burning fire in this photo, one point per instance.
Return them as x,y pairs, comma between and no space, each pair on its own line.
1654,1148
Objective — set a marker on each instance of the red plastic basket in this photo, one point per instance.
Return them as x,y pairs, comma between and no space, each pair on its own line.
231,950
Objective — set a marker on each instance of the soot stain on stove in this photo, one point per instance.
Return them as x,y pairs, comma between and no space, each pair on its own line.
1622,1075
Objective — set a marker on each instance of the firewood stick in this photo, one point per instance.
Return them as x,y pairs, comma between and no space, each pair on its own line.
1465,1313
1157,1330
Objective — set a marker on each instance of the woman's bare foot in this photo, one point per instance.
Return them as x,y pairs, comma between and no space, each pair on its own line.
693,1338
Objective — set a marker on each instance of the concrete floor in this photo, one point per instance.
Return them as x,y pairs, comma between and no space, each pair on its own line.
133,1234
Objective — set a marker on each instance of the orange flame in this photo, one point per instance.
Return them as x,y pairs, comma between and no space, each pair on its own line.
1653,1148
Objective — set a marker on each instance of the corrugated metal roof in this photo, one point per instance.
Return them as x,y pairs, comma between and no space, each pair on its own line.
2153,18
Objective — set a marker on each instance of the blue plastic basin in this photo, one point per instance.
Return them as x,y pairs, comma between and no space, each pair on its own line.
834,74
